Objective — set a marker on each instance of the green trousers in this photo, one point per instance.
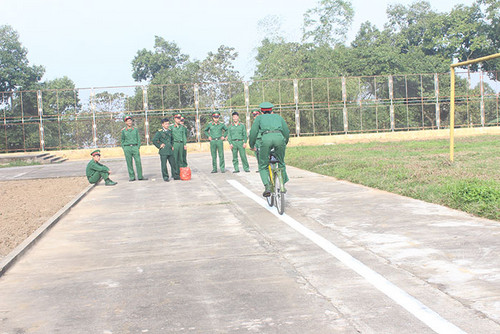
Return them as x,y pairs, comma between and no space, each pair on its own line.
270,141
132,152
184,158
217,146
178,155
173,167
238,148
97,176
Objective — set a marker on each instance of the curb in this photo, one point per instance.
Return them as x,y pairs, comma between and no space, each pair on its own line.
22,248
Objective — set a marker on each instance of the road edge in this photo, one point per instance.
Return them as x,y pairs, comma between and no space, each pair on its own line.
23,247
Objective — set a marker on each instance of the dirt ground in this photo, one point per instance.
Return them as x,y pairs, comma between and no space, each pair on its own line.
26,204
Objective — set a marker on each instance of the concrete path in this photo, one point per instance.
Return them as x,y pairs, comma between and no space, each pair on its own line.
206,256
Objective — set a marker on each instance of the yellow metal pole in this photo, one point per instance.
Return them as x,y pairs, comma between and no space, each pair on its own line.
452,111
477,60
452,95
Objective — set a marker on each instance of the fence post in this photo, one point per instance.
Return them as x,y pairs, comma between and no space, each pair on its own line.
5,123
40,113
436,92
344,99
145,105
197,107
94,125
481,82
297,112
391,97
247,104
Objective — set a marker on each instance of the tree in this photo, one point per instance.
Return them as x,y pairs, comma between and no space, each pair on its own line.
463,34
328,23
218,67
15,71
166,55
216,74
270,28
282,60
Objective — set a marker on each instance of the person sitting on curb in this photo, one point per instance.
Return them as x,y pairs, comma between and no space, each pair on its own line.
96,171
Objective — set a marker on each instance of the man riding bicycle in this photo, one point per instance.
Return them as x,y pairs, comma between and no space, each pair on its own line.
275,135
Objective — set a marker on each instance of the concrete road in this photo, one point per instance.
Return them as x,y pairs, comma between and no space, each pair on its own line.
208,256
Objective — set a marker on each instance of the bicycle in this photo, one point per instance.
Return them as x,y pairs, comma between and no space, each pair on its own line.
277,197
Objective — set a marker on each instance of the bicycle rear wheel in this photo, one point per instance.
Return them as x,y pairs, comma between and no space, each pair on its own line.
270,199
280,197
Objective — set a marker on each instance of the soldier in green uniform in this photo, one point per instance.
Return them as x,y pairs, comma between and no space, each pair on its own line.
275,135
131,143
96,171
237,138
258,142
215,131
164,142
180,140
184,151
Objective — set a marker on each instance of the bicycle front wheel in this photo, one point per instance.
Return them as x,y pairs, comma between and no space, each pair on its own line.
280,197
270,200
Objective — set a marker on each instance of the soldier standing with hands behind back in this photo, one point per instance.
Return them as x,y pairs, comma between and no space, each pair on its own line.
180,141
215,131
131,144
237,139
184,151
258,141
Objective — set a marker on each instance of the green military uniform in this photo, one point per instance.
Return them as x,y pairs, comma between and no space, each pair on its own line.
96,171
216,131
258,141
237,136
131,144
184,152
275,134
180,140
166,153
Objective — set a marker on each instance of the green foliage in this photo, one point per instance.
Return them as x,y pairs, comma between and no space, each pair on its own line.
477,196
328,23
19,163
474,191
415,39
15,71
166,55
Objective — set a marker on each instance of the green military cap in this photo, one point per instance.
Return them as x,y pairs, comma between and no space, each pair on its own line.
95,152
177,116
215,114
255,112
266,106
125,118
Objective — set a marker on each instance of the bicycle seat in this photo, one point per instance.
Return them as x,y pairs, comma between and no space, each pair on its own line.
272,158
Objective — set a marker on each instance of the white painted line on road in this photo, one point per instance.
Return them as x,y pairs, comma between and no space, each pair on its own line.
411,304
20,174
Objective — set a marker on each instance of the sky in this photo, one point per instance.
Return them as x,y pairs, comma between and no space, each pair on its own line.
93,42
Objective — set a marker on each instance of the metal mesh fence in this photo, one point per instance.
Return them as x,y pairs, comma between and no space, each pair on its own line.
93,117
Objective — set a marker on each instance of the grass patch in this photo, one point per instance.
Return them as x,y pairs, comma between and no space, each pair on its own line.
19,163
417,169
